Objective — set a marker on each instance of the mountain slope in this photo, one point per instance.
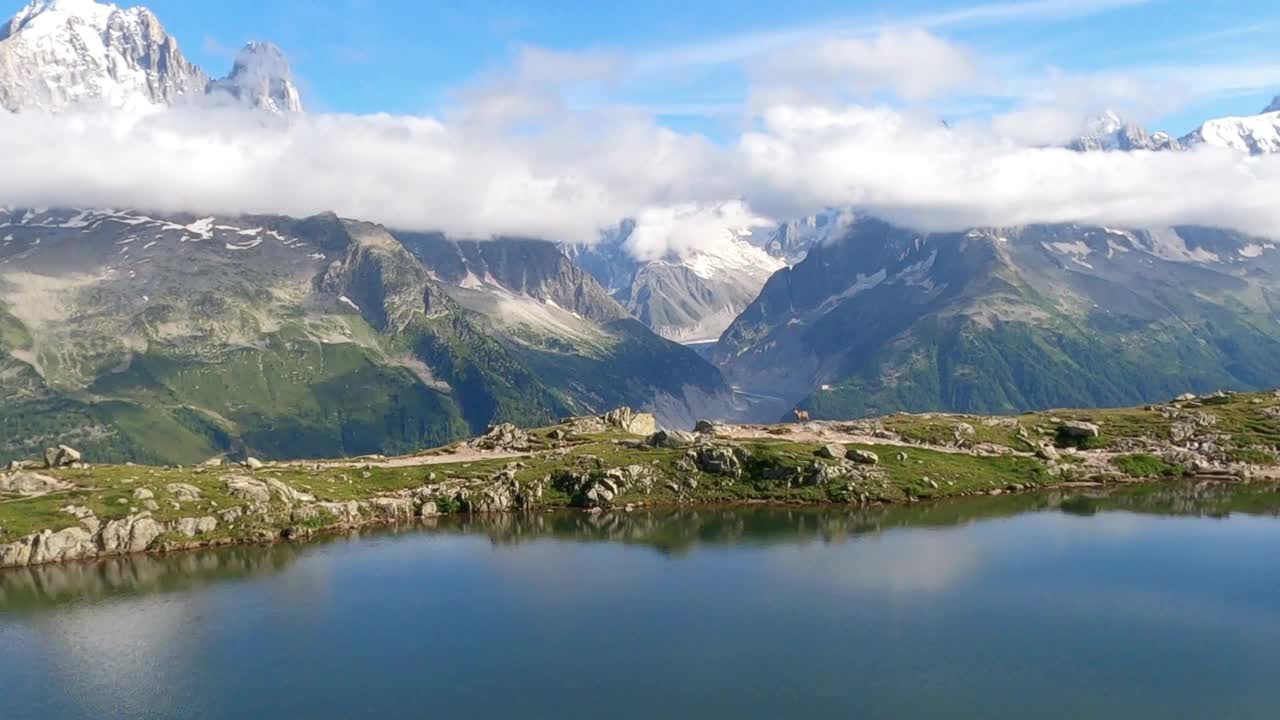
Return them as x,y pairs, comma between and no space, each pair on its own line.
555,317
170,339
1010,319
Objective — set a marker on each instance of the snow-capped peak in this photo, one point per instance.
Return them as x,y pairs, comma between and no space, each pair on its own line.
1253,134
1108,131
262,79
56,54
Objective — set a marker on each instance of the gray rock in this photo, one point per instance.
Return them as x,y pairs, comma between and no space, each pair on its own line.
253,463
30,484
193,527
719,460
705,427
183,491
391,509
864,457
1048,452
503,437
143,494
671,439
70,544
129,535
832,451
61,456
1078,430
630,421
247,488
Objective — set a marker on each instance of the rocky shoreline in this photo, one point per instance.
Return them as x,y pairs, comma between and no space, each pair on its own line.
69,510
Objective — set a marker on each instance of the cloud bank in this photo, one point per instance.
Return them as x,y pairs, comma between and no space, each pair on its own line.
522,154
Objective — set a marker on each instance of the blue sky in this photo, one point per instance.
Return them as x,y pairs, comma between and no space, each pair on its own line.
403,56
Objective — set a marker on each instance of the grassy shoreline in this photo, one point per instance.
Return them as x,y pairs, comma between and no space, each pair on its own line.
102,510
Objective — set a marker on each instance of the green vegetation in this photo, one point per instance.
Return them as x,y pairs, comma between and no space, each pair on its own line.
1142,465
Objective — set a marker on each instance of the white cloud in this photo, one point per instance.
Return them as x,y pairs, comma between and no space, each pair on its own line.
910,63
680,229
920,174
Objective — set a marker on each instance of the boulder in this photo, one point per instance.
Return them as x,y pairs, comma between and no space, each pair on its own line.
70,544
246,488
129,535
671,439
502,437
287,495
253,463
30,484
193,527
61,456
719,460
704,427
1045,451
391,509
863,457
1078,430
832,451
183,492
143,494
1185,397
630,421
212,462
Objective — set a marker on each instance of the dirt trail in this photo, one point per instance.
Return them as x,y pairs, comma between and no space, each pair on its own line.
460,455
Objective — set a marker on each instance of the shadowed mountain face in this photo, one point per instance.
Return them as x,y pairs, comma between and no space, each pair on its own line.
170,339
998,320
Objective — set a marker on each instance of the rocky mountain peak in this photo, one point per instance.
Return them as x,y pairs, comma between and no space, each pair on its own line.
56,54
262,79
1108,131
1274,106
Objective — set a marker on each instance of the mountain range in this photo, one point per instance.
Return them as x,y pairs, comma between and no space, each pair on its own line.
156,337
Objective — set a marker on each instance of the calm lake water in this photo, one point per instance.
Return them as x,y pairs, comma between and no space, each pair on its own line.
1148,605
